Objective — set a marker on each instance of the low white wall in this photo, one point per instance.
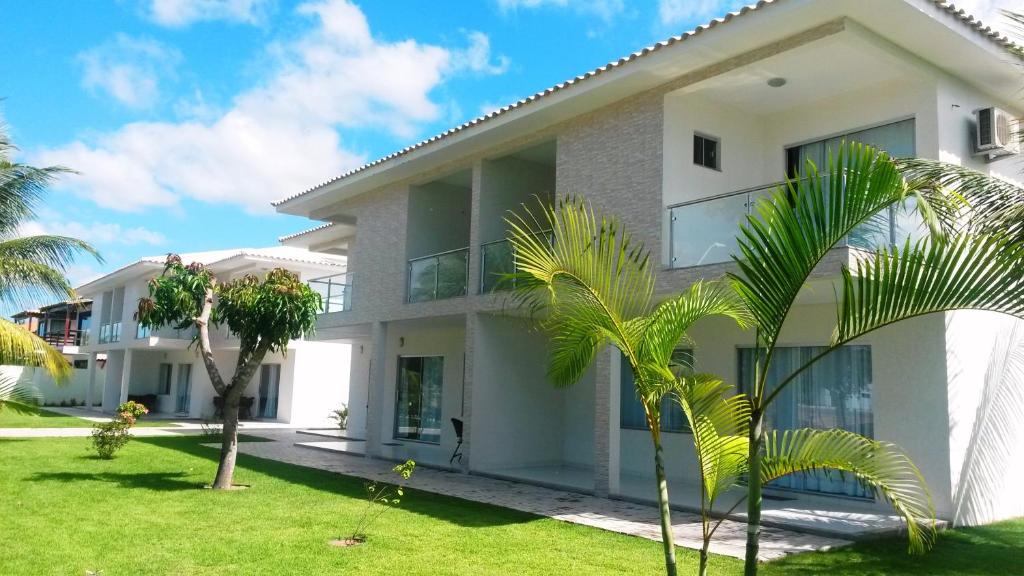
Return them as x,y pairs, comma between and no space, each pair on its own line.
52,394
317,383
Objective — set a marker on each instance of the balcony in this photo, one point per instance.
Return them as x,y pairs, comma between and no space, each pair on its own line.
335,291
110,333
170,333
67,338
438,276
704,231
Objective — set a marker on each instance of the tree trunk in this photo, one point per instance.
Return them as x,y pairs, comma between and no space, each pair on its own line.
666,519
703,570
754,493
229,443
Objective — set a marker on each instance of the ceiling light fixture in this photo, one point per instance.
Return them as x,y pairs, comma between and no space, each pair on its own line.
777,82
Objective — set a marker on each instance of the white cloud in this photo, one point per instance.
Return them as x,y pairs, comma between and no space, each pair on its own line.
128,69
604,9
280,136
687,11
96,233
176,13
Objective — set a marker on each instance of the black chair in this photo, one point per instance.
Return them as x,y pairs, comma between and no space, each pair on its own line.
457,424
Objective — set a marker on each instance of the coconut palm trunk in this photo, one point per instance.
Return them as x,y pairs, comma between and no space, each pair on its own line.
667,538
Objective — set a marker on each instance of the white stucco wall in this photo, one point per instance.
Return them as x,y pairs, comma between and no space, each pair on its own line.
73,389
317,382
361,354
507,184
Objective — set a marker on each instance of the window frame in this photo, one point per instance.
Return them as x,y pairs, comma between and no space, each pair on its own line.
697,135
398,379
624,366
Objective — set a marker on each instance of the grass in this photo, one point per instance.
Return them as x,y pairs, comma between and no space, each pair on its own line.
145,512
15,415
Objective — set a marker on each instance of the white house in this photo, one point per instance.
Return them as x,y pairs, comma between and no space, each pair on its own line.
162,368
676,139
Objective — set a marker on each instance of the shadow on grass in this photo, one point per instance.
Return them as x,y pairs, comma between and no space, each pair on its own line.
156,481
978,551
457,511
28,410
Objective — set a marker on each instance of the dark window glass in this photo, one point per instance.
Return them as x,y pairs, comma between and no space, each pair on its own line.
631,411
705,151
418,398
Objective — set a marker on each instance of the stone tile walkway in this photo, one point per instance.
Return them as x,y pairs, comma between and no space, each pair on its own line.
614,515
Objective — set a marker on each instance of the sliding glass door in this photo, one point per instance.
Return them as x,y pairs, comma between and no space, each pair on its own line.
418,398
270,388
834,393
184,391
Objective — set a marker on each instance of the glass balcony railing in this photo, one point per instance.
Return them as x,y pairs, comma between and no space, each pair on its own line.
167,332
498,259
336,291
704,231
439,276
110,333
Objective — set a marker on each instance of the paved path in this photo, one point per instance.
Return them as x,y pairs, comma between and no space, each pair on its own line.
617,516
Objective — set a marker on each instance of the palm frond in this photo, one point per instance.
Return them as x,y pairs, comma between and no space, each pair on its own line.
19,347
585,283
719,424
24,281
986,204
57,252
800,222
21,186
881,466
936,275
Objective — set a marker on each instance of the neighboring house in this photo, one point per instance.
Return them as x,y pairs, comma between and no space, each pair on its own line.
677,140
162,369
65,326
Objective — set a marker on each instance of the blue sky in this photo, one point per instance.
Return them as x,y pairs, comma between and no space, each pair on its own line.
185,118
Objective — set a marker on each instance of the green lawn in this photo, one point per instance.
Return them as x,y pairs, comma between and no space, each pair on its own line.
65,512
14,415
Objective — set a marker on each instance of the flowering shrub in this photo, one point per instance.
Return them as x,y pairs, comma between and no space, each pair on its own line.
109,437
130,411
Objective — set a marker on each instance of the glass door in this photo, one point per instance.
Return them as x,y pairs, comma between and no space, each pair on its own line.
270,387
418,398
184,396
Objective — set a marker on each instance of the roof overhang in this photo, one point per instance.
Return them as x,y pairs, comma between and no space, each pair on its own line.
935,34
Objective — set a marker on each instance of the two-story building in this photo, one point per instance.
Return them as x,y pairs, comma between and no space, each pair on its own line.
677,140
162,369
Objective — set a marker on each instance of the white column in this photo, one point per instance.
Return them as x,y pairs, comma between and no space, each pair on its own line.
126,376
472,327
376,388
614,418
92,381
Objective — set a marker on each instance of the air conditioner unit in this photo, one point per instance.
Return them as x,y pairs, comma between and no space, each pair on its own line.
996,133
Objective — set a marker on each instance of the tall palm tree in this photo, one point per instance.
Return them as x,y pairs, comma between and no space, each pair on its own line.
589,287
795,228
31,267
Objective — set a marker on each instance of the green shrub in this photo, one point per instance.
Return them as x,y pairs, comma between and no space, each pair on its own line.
340,416
109,437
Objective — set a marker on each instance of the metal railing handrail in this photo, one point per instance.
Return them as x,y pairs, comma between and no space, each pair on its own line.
728,194
437,276
439,254
483,255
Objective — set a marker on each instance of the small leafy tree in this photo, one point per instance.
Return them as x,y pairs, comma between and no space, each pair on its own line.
264,314
381,497
109,437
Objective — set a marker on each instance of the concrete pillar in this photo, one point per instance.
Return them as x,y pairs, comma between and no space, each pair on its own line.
605,430
126,376
92,381
473,278
472,328
376,389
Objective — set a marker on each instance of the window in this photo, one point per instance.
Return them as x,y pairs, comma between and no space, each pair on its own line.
163,384
81,364
889,227
705,152
835,392
631,411
270,388
184,392
418,398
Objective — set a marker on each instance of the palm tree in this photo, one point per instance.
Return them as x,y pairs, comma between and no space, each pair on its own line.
589,286
31,267
794,229
720,423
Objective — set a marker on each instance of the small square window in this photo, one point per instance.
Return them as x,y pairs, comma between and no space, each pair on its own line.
81,364
705,152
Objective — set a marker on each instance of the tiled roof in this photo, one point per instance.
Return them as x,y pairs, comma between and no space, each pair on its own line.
304,232
948,7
